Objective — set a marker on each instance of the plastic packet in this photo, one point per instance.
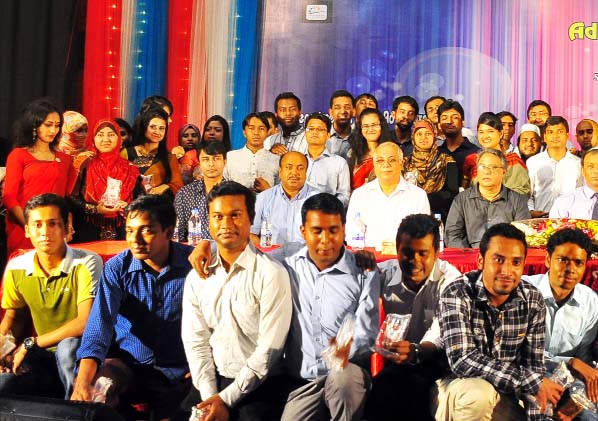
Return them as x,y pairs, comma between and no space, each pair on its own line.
561,376
111,196
147,181
393,329
198,414
100,389
343,339
7,344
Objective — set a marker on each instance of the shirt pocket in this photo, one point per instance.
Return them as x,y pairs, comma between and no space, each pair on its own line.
246,314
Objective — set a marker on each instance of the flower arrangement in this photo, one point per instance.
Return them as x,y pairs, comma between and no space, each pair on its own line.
538,231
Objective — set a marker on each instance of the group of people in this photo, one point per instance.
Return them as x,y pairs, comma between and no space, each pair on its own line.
243,335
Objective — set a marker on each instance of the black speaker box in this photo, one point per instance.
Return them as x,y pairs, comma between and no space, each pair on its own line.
26,408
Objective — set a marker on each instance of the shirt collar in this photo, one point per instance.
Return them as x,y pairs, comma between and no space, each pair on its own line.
402,185
587,191
502,195
32,267
343,264
246,260
544,287
176,259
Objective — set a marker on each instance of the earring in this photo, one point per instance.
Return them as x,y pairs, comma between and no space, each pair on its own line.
34,134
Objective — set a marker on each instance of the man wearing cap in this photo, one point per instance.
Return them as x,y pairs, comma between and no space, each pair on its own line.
529,141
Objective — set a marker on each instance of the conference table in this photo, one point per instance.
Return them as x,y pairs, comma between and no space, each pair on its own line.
464,260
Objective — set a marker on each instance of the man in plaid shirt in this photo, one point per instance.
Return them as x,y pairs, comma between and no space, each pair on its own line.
492,326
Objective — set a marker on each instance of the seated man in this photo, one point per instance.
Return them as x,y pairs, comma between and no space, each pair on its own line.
581,203
412,284
236,321
281,204
133,335
327,286
326,172
384,202
252,165
484,204
55,284
571,308
212,159
492,327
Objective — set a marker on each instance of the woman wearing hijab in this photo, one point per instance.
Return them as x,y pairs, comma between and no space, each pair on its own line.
435,172
105,186
73,140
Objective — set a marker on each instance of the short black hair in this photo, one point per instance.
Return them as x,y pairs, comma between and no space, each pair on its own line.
326,203
286,95
156,101
368,96
450,104
269,115
232,188
507,113
537,102
407,99
569,235
48,199
490,119
159,209
502,230
418,226
319,116
432,98
259,116
341,93
555,120
212,148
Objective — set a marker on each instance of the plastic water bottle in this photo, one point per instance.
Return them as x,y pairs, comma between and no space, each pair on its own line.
194,228
175,232
441,229
266,233
358,236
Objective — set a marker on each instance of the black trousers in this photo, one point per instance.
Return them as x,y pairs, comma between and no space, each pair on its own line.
402,392
265,403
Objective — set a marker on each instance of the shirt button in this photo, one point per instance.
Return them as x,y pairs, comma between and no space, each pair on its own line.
317,297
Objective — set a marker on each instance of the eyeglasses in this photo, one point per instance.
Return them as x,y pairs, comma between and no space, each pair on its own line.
371,127
491,168
315,129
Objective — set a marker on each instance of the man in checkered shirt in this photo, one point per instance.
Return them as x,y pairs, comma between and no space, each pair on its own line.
492,326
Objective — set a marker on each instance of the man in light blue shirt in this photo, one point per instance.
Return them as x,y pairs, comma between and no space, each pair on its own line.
282,203
327,172
327,286
571,308
342,110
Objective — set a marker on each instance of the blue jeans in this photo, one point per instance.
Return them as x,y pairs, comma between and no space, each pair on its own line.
45,373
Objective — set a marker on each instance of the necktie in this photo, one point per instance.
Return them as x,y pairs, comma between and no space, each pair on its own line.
595,208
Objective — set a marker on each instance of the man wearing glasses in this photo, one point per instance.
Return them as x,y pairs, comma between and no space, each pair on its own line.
538,112
480,206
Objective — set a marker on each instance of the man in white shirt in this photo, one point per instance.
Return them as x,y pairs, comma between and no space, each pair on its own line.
580,203
384,202
412,284
252,165
571,308
287,106
326,172
553,172
236,321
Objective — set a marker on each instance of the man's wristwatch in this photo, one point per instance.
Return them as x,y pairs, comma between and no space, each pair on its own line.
29,343
417,351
